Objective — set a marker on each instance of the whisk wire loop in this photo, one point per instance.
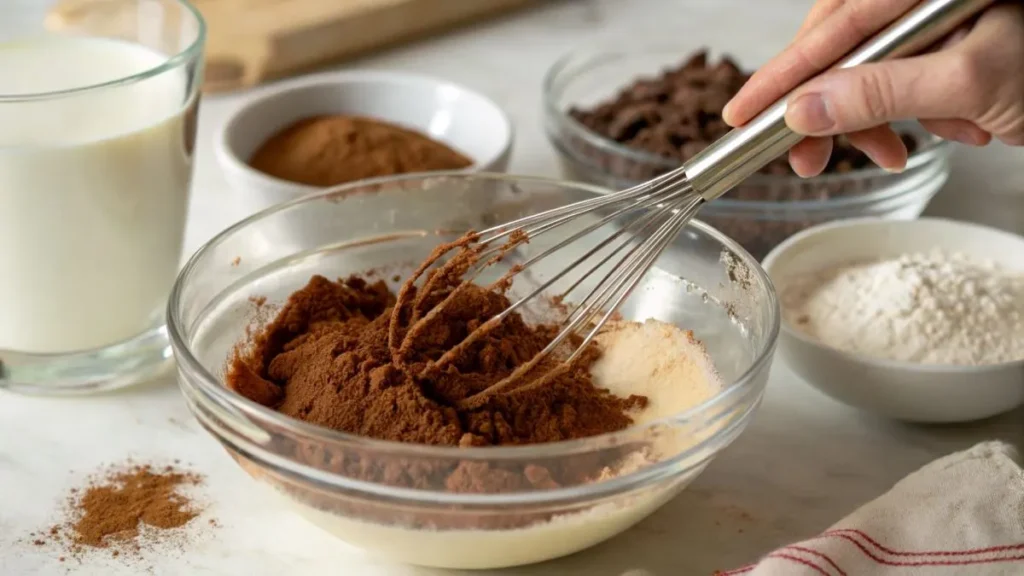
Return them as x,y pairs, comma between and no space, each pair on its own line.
653,201
659,209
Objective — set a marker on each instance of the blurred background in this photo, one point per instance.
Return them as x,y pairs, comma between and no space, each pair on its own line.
506,55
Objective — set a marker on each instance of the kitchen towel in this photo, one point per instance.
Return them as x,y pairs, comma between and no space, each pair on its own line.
962,514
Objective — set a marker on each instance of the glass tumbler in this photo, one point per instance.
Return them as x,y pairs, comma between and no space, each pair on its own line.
98,108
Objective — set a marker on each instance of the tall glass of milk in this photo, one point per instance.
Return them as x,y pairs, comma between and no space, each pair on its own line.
97,127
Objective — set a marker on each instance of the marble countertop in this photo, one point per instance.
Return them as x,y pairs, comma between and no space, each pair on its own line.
803,463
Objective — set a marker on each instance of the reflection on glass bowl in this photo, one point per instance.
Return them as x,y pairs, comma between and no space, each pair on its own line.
357,488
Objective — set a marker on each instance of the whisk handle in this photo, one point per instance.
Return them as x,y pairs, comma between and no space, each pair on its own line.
745,150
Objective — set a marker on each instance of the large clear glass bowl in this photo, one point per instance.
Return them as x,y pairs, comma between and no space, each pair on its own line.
762,211
351,486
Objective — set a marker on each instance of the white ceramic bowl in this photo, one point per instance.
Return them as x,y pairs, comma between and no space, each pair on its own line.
900,390
465,120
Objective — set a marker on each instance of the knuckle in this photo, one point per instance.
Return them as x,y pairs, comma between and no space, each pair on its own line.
969,80
877,95
810,58
822,9
1014,136
859,17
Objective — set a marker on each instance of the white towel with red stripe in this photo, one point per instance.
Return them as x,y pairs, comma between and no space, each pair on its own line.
962,514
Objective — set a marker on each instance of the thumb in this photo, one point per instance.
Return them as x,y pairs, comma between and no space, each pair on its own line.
847,100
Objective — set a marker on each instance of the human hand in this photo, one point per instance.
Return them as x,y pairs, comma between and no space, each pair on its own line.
970,89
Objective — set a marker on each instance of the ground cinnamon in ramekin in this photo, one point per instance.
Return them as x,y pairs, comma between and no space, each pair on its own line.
329,150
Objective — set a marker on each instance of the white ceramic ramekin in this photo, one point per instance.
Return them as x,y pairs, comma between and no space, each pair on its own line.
900,390
457,116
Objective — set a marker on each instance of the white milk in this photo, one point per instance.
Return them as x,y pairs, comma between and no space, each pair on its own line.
93,193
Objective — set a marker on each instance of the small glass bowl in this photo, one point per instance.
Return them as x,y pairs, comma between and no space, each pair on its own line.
764,210
375,494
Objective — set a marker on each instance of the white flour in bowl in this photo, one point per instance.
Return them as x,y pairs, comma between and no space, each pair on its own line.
934,308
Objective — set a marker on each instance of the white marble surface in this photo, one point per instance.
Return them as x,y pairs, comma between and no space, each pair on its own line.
804,462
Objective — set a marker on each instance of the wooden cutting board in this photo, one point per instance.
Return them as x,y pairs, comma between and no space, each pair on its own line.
252,41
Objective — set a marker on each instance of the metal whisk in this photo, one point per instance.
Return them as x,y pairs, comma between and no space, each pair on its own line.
655,211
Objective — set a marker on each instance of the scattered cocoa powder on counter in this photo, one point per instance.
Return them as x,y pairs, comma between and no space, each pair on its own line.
127,500
125,509
329,150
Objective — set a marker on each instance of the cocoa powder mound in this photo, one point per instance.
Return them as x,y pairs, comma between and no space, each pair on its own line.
351,356
330,150
326,360
121,505
114,509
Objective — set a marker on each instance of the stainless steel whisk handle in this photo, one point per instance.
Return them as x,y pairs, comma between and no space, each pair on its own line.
745,150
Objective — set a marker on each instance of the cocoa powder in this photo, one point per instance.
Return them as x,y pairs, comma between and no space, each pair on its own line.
120,506
347,355
330,150
116,507
326,360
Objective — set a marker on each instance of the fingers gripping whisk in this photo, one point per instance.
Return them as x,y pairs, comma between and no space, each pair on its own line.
643,219
624,236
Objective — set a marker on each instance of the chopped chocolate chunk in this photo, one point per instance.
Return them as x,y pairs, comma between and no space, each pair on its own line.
677,115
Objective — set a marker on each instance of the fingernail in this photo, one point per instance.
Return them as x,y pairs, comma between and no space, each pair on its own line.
889,169
727,110
809,114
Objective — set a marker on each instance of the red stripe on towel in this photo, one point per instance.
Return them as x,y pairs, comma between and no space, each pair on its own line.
798,560
818,554
918,563
953,557
891,552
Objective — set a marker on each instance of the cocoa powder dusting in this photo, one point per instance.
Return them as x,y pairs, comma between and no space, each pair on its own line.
119,507
114,510
327,360
330,150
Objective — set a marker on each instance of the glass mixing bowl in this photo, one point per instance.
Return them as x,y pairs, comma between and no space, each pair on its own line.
357,488
762,211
